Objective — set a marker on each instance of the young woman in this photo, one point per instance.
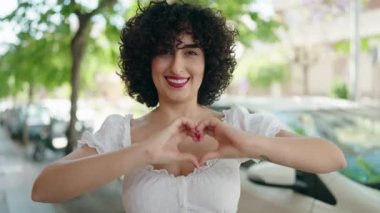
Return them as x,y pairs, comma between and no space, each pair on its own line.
181,156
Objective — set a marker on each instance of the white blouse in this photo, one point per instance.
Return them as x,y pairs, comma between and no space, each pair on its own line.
214,187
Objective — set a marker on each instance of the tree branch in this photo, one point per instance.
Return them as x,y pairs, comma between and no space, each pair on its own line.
76,11
102,4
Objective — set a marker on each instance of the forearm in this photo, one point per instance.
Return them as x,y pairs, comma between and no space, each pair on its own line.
69,178
307,154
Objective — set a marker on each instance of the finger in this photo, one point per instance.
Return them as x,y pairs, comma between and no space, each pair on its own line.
189,157
209,156
209,122
207,130
190,127
197,136
203,126
181,127
187,125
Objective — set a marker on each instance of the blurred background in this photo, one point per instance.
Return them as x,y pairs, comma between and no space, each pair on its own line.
59,59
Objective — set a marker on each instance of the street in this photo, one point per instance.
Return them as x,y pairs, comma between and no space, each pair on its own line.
18,171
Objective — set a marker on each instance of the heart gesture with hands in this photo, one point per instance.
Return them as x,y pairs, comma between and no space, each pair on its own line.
228,138
163,146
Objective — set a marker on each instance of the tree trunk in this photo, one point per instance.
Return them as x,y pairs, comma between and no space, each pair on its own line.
25,127
305,71
78,44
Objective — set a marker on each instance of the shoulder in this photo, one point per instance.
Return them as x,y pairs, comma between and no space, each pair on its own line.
237,115
261,123
113,134
116,119
116,125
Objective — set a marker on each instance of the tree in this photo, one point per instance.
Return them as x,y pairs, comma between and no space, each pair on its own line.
305,54
305,57
245,17
59,32
267,74
78,44
31,64
44,24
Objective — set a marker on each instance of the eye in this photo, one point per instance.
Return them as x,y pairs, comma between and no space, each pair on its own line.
191,53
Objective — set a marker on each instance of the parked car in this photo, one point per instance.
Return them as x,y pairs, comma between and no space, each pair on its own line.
268,187
47,123
35,116
53,137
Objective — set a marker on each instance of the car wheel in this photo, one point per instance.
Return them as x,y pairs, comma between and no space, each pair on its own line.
39,152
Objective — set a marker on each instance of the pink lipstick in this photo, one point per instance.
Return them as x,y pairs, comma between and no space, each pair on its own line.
176,82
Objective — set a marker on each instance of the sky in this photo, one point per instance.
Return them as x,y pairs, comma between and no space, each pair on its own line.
6,33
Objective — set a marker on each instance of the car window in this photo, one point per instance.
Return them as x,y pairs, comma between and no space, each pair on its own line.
38,115
357,134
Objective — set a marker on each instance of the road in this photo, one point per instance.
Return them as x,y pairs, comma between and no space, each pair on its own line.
18,171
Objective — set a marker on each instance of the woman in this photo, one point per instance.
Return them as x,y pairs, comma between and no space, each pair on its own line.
181,156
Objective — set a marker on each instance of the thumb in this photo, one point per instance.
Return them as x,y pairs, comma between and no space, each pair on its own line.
209,156
189,157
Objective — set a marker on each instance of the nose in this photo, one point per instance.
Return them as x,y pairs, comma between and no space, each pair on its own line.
177,63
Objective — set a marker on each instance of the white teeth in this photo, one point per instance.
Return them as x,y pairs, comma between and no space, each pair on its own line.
177,81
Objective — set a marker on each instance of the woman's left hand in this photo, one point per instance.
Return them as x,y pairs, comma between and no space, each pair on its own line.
227,137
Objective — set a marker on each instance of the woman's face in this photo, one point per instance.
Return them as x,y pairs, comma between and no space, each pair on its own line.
178,72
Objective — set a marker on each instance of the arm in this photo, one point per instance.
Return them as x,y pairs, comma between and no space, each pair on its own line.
84,170
303,153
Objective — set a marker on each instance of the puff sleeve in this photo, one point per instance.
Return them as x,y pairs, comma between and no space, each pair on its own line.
263,124
113,134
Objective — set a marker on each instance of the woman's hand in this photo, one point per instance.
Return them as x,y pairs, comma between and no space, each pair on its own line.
162,147
227,137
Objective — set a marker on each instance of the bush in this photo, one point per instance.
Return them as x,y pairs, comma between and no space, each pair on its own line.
267,74
339,90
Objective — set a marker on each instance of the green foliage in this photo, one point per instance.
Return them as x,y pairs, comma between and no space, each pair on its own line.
373,176
265,28
102,49
34,63
339,90
299,130
235,10
267,74
365,172
43,58
344,46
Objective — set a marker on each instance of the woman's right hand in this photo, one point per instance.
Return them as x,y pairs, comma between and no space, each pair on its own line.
162,147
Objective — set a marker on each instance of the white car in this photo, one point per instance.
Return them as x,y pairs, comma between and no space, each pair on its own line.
267,187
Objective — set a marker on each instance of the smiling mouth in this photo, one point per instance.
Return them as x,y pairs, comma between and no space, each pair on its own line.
177,82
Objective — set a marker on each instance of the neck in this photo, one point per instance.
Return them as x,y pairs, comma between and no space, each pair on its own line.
172,111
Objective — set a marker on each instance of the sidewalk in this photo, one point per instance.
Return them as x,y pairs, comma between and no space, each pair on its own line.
17,173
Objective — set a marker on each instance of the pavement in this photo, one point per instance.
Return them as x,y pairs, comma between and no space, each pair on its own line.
18,172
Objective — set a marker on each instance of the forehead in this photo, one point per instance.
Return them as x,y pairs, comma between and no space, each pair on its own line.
184,40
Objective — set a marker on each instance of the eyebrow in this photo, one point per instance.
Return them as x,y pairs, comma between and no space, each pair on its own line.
184,46
190,46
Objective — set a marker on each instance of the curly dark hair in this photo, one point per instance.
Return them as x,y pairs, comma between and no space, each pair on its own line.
158,25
